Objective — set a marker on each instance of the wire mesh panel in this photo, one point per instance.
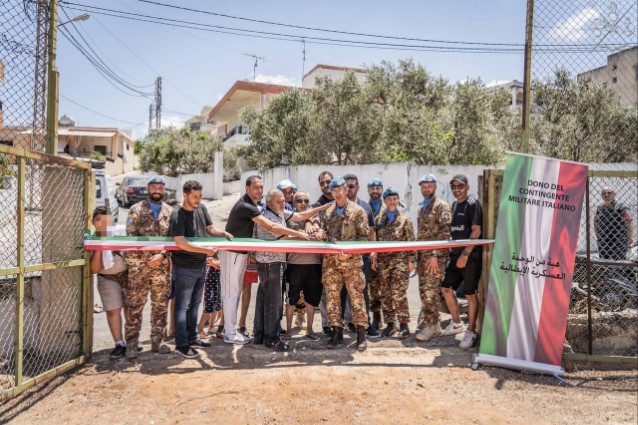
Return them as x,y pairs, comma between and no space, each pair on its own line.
23,70
584,89
7,331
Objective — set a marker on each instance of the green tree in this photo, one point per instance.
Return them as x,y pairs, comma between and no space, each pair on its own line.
582,121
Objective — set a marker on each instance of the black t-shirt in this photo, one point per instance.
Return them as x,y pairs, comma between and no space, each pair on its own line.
240,222
321,201
465,215
190,224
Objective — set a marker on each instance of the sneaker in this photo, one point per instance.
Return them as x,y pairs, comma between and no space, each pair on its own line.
351,327
200,343
187,351
468,340
454,328
373,333
236,339
429,332
118,352
243,331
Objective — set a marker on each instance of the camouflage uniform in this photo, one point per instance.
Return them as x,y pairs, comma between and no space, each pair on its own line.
394,275
433,225
351,226
142,278
375,292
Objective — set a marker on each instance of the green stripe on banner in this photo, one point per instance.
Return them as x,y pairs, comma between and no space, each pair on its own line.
509,230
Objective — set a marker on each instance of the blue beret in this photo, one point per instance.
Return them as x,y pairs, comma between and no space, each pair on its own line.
285,184
428,178
390,191
338,181
157,180
375,182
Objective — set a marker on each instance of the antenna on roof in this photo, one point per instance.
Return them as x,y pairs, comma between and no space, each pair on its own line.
257,59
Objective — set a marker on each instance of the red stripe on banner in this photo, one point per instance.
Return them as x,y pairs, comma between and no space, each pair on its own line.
555,306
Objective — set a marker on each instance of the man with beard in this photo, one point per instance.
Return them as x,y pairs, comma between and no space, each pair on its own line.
148,270
435,217
324,183
375,189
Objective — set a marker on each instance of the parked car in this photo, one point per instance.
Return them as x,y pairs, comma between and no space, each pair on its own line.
133,189
105,193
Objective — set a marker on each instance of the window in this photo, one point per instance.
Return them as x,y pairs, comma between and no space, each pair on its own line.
98,188
128,146
614,80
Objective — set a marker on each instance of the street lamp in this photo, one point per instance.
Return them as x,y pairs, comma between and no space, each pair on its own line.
53,80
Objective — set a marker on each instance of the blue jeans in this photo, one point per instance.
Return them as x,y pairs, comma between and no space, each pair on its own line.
269,303
189,284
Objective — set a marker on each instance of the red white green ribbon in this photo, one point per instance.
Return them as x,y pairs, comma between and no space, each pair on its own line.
152,243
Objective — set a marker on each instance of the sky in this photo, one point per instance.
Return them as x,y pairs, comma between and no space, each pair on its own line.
198,67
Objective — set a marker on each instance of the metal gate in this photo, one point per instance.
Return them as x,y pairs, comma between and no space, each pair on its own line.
603,312
45,282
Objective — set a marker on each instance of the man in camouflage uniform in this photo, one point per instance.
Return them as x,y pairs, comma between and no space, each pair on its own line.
435,218
394,267
375,190
344,221
148,270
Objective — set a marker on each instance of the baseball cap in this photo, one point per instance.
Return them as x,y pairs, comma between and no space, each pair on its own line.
459,178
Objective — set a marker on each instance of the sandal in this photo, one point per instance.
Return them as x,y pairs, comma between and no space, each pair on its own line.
313,336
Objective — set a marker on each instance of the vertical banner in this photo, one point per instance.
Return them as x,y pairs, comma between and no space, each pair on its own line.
532,264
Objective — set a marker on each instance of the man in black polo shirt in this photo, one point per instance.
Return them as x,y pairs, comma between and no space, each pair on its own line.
465,263
189,266
241,221
325,178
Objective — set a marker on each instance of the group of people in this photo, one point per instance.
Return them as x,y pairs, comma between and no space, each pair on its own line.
352,291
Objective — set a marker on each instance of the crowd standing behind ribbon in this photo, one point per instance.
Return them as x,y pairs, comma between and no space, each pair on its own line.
358,293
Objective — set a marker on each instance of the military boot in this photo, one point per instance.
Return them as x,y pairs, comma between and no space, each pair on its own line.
376,320
158,347
361,338
335,338
389,330
131,351
404,331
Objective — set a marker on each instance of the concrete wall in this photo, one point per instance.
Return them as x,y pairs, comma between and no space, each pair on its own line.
404,176
206,179
233,187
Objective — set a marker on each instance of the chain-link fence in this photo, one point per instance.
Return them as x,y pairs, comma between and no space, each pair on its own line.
44,286
584,80
23,70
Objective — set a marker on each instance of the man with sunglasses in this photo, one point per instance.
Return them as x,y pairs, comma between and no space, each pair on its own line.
465,263
325,178
352,189
614,228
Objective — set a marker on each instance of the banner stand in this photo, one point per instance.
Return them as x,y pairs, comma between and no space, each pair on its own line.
511,363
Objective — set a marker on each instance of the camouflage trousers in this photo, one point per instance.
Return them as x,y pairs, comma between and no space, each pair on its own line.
142,280
430,290
394,278
354,280
375,292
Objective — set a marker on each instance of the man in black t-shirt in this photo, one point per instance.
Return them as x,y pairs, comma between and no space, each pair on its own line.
325,178
189,266
465,263
241,221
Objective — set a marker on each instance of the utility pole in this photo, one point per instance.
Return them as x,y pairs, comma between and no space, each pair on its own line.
158,103
257,59
150,117
529,29
53,80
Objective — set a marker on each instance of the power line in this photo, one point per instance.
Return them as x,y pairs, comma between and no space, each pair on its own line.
284,37
99,113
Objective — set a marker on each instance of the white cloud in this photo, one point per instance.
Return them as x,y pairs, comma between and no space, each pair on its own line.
573,28
167,121
279,79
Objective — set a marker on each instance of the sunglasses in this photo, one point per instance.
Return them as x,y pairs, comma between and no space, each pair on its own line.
457,186
304,201
325,183
352,186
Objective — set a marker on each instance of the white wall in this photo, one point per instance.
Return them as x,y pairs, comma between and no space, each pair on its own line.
404,176
206,179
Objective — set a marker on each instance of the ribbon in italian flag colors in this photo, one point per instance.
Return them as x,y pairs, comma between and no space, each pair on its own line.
151,243
532,264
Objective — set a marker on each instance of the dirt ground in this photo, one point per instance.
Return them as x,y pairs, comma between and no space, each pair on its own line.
394,382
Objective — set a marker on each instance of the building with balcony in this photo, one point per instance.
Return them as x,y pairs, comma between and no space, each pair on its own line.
619,73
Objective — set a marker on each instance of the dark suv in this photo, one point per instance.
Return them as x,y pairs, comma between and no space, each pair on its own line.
133,189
